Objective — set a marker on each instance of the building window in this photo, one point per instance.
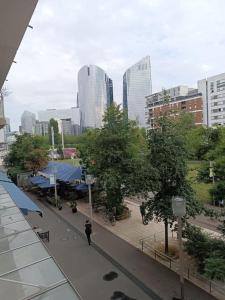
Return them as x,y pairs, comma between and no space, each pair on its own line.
88,71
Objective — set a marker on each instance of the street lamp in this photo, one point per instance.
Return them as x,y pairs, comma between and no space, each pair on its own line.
179,210
211,175
53,181
89,179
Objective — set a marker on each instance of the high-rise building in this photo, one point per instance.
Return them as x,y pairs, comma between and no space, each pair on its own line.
95,94
173,102
41,128
66,126
213,93
136,86
28,121
70,119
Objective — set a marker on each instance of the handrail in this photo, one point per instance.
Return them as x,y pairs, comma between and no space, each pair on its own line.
210,286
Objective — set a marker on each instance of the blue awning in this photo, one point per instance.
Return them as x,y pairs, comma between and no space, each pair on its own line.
37,179
46,185
64,172
21,200
42,182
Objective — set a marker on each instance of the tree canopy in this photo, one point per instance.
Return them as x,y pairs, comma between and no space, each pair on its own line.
26,154
53,123
114,153
168,156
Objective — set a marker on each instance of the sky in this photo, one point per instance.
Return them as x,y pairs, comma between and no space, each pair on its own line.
185,40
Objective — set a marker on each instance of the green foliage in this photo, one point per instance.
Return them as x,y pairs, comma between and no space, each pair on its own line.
26,154
215,268
115,155
197,244
208,251
221,227
53,123
217,192
168,155
203,172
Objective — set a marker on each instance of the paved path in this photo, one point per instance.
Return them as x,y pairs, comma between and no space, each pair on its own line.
84,265
139,274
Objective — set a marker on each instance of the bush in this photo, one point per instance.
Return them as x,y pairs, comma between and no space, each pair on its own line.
217,192
197,245
209,252
215,268
203,173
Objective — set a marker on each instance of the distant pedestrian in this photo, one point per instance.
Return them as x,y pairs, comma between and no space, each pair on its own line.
142,211
88,231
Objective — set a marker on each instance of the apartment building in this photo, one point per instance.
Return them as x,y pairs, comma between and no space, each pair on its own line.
174,101
213,95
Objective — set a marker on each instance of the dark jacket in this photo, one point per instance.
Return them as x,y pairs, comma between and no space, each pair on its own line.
88,228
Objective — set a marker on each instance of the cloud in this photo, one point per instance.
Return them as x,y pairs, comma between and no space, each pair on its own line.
185,40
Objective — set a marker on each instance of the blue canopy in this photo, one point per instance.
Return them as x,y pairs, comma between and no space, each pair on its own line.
46,185
64,172
21,200
37,179
81,187
41,181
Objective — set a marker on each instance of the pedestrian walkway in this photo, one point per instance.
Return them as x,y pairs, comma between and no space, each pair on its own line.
132,230
142,269
91,272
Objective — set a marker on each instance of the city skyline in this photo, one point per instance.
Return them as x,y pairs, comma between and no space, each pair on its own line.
181,51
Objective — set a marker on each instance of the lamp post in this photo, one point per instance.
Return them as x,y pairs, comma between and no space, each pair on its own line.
211,175
179,210
89,179
53,181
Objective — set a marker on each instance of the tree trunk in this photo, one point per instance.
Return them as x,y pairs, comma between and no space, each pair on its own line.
166,237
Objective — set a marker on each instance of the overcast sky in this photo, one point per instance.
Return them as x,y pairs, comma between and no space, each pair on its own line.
185,40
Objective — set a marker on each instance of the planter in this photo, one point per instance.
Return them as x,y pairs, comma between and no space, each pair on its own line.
125,214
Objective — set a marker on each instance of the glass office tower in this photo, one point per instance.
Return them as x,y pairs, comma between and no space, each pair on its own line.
136,86
95,94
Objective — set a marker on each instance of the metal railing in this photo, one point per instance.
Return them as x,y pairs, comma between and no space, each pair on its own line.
212,287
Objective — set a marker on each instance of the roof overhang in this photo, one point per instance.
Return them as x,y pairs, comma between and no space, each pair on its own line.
15,16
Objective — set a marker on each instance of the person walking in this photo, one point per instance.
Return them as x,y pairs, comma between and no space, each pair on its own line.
88,231
142,211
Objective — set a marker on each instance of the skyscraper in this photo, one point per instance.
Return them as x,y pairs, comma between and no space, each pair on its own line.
28,121
136,86
95,94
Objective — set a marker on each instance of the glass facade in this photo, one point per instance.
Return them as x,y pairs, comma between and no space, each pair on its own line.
28,122
27,270
136,86
95,94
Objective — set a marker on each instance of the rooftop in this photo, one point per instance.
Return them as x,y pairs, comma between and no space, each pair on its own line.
27,269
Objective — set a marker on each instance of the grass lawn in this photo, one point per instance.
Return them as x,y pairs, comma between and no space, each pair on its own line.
201,189
74,162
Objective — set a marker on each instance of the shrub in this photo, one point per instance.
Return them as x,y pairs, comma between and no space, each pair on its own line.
209,252
215,268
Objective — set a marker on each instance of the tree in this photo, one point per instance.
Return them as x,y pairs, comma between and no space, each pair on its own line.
168,155
113,153
53,123
26,154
